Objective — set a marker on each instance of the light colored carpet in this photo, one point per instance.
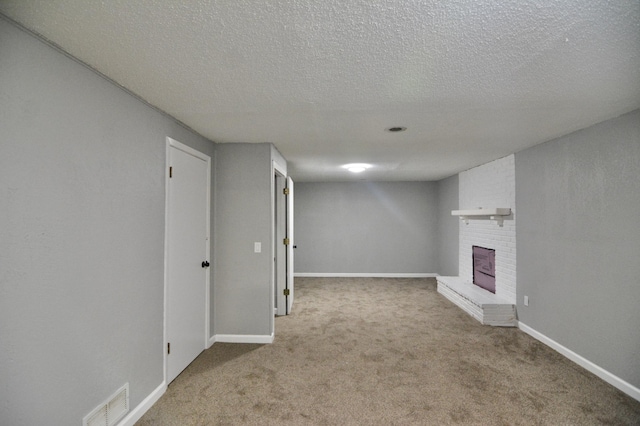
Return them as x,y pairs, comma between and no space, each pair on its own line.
387,352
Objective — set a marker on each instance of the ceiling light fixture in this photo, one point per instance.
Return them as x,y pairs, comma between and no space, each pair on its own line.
357,167
396,129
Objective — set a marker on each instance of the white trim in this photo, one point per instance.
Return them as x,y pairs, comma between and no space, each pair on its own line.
290,257
276,169
363,275
244,338
137,413
182,147
279,168
207,282
608,377
211,341
279,217
167,160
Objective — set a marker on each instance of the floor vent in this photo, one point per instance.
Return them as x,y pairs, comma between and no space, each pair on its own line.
111,411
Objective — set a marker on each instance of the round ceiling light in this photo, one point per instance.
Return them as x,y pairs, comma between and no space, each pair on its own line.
396,129
357,167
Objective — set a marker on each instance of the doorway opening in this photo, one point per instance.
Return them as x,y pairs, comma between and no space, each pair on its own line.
283,244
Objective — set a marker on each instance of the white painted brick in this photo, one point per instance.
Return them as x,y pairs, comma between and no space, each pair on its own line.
483,306
486,186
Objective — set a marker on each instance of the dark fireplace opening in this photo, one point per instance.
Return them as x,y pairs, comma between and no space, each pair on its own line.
484,268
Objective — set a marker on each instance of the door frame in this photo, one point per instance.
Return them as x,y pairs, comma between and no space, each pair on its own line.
172,143
283,264
279,264
291,246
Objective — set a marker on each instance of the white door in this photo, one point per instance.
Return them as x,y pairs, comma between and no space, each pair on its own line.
291,245
187,256
280,247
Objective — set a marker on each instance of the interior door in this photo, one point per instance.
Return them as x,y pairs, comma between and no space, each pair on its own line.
280,247
187,261
291,246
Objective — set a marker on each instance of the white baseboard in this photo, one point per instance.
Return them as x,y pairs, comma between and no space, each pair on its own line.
362,275
244,338
608,377
137,413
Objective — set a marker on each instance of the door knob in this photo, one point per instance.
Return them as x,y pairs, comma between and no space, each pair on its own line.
205,264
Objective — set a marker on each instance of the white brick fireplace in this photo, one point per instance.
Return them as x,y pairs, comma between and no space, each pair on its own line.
491,185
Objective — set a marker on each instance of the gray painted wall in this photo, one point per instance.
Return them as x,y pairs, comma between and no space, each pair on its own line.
578,199
366,227
448,226
82,196
243,296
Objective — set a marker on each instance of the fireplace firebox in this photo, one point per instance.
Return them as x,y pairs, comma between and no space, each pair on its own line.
484,268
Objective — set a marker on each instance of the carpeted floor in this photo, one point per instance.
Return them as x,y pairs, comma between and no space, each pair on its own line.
364,351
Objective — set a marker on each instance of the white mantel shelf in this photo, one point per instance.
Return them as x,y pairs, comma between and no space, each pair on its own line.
496,213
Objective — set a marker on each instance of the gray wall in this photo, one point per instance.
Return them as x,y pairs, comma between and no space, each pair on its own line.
578,241
366,227
448,226
243,296
82,199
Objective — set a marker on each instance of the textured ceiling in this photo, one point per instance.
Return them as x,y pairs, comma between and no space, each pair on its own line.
472,80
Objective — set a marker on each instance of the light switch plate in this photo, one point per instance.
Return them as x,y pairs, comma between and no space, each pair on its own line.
257,247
